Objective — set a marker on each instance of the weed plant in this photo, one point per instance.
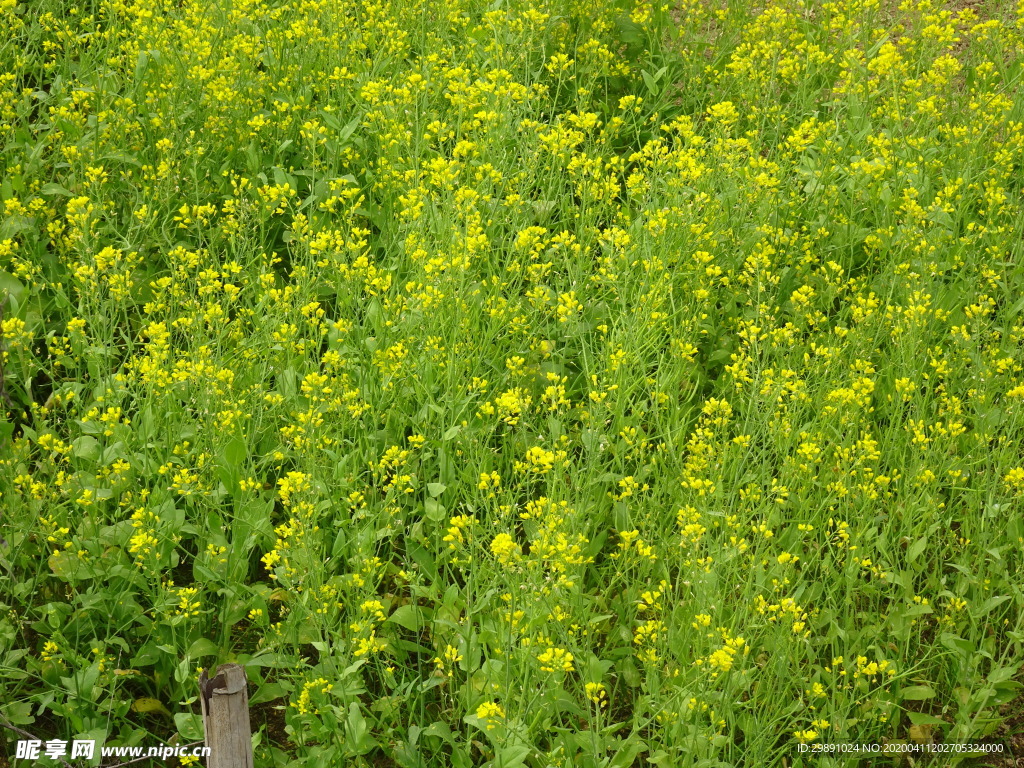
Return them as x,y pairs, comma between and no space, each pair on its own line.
525,383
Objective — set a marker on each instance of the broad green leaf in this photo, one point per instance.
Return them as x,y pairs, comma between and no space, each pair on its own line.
412,617
150,706
86,447
920,718
917,693
12,288
357,737
189,725
203,646
434,510
52,188
512,756
916,549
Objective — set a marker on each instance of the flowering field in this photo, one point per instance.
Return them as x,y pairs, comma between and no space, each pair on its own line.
581,383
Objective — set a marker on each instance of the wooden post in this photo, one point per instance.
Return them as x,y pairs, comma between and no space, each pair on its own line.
225,702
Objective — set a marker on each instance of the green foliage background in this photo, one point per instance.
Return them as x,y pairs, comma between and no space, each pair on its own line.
526,383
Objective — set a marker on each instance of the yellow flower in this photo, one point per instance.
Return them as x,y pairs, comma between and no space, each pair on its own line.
186,605
724,113
369,645
597,694
504,548
490,712
455,537
556,660
1014,479
450,658
50,649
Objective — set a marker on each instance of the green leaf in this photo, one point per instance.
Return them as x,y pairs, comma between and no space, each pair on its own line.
411,617
650,82
66,566
6,430
349,129
189,725
422,557
150,706
52,188
992,602
438,730
11,286
203,646
434,510
268,692
436,489
512,756
17,224
1005,692
141,64
273,660
917,693
916,549
234,452
920,718
624,757
956,644
629,32
330,120
18,712
1002,674
659,757
358,740
86,447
